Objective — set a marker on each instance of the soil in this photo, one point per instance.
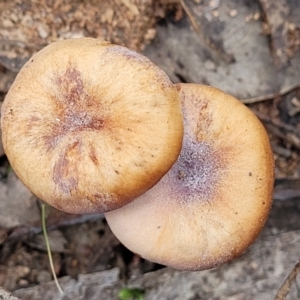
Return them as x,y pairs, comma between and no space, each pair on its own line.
239,47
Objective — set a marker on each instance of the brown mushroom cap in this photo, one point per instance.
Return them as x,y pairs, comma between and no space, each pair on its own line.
88,126
214,201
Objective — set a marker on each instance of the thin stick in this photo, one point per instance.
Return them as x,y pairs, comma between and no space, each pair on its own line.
48,247
271,96
285,288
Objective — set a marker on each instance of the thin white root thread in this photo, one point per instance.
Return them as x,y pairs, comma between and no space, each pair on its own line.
48,247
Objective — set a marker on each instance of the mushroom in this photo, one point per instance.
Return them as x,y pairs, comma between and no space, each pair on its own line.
214,201
88,126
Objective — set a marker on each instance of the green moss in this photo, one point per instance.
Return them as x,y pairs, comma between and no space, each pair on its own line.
131,294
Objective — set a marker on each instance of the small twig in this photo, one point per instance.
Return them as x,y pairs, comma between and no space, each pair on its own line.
25,231
289,134
224,56
272,95
275,122
48,247
286,286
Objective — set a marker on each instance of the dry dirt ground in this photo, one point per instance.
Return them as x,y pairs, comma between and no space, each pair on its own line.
249,48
